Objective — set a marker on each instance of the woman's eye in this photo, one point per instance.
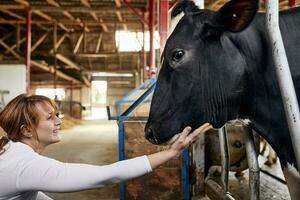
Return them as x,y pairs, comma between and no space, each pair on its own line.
177,55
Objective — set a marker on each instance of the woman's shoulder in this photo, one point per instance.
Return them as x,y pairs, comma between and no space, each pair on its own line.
16,152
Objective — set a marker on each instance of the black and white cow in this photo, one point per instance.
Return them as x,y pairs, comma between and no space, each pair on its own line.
218,66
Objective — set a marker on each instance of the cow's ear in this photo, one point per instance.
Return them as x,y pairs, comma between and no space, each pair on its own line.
235,15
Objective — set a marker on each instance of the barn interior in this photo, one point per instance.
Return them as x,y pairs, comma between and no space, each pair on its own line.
93,57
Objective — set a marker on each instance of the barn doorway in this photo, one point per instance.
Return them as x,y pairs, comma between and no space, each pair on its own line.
99,93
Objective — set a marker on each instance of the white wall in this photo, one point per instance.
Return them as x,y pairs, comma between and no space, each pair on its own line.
13,79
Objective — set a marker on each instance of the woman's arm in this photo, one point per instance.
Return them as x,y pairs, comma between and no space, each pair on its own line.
49,175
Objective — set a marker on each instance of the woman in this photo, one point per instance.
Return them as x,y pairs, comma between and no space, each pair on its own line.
31,125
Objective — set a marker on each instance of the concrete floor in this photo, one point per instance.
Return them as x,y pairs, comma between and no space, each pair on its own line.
93,142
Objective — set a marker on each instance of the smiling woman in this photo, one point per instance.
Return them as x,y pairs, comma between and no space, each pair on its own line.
30,124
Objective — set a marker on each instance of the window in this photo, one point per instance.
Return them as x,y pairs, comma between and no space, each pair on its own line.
133,41
51,93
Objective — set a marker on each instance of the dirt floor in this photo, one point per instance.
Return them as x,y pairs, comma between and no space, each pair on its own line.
92,142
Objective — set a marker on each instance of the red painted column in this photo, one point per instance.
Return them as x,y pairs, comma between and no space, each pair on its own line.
28,49
292,3
151,30
163,22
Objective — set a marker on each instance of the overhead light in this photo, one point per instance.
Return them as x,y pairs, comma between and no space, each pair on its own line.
112,74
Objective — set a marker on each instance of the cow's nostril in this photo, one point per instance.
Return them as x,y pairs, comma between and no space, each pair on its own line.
149,133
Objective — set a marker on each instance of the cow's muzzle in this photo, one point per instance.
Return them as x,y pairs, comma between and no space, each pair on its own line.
149,134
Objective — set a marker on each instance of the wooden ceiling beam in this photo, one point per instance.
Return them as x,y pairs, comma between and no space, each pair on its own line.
12,7
15,45
12,14
2,43
51,69
99,42
89,23
78,43
66,13
67,61
118,3
34,46
73,9
42,14
23,2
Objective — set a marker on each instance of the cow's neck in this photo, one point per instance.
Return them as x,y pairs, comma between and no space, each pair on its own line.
262,102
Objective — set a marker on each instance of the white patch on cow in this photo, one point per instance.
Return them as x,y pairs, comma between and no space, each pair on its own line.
173,21
292,178
245,121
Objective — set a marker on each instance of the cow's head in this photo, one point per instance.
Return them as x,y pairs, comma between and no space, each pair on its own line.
202,77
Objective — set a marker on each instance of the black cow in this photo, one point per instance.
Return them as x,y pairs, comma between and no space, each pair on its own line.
218,66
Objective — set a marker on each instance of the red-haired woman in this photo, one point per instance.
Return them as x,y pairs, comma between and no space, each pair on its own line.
31,125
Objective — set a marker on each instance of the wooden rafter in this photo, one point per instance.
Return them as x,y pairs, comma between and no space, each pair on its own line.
68,22
42,14
99,42
78,43
51,69
2,43
34,46
16,45
87,4
67,61
66,13
59,42
119,15
23,2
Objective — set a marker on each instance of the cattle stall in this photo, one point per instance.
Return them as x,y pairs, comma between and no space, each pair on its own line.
171,177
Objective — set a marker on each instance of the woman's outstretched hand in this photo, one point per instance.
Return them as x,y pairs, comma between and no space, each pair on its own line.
183,140
186,138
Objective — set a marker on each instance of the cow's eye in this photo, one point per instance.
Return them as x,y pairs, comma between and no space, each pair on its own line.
177,55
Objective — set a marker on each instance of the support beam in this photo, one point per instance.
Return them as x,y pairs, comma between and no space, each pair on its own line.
73,9
85,80
39,41
67,61
78,44
60,41
18,36
28,49
15,45
51,69
23,2
99,43
2,43
12,14
151,30
163,22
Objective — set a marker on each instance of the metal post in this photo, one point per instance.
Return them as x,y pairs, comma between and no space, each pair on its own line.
163,22
284,76
121,155
292,3
253,164
28,50
151,30
184,174
224,157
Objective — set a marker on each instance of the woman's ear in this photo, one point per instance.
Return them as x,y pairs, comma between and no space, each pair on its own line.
25,131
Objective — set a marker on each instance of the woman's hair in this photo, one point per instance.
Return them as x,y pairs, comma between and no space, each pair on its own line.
21,112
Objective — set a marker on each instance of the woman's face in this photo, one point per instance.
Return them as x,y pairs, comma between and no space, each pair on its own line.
49,125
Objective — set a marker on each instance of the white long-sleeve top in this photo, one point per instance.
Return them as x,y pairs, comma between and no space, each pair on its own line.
24,173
